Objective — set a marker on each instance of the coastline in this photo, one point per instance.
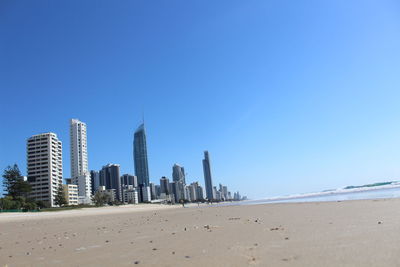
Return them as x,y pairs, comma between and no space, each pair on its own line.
347,233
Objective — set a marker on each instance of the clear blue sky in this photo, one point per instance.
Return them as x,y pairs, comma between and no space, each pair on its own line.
287,96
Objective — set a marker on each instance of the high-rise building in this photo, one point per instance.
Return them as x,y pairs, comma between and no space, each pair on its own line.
95,180
130,194
79,160
196,192
140,156
178,190
207,176
193,192
178,174
164,186
144,193
127,179
158,191
110,176
78,148
200,193
44,166
153,191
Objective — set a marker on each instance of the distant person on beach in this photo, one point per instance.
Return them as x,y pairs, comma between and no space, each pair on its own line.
183,203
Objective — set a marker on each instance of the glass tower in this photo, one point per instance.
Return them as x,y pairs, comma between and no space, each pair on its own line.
207,176
140,156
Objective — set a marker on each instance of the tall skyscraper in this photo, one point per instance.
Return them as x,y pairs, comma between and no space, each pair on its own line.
178,174
79,160
164,185
207,176
140,156
110,178
94,180
44,166
127,179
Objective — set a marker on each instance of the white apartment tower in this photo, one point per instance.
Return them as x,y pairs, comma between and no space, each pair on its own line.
79,160
44,166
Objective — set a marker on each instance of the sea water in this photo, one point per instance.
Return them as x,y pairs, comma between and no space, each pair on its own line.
377,193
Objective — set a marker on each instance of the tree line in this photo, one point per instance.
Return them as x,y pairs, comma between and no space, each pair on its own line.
17,191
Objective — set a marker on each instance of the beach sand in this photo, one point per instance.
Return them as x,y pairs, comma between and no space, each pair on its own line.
350,233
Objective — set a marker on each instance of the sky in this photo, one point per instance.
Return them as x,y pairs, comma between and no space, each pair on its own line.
287,96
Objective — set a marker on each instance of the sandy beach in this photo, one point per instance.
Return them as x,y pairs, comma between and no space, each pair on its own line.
351,233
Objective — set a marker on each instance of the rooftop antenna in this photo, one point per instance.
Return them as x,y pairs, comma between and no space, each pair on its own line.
142,116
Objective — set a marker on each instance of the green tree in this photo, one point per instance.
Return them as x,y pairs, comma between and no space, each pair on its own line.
14,183
7,203
60,197
101,198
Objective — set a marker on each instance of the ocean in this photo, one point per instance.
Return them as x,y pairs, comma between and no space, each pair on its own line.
337,195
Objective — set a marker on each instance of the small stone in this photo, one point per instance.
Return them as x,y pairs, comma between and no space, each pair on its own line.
107,241
154,249
28,253
173,252
136,262
187,257
286,238
379,222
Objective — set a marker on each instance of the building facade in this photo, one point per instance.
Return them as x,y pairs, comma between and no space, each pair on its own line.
130,194
110,178
71,194
79,159
94,180
178,173
44,166
140,156
207,176
127,179
164,186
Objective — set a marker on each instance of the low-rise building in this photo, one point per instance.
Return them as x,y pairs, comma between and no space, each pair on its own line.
71,194
130,194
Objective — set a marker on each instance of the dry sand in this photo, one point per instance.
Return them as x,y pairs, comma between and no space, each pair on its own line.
352,233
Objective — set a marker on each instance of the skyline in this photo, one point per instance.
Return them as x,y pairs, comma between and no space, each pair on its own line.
288,97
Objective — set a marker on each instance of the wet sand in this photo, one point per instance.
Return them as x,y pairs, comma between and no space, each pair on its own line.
352,233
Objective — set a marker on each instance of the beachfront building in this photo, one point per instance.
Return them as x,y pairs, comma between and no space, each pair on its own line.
130,194
140,156
153,191
94,180
192,192
200,192
79,160
178,174
207,176
110,178
164,186
127,179
71,194
44,166
144,194
236,196
178,190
